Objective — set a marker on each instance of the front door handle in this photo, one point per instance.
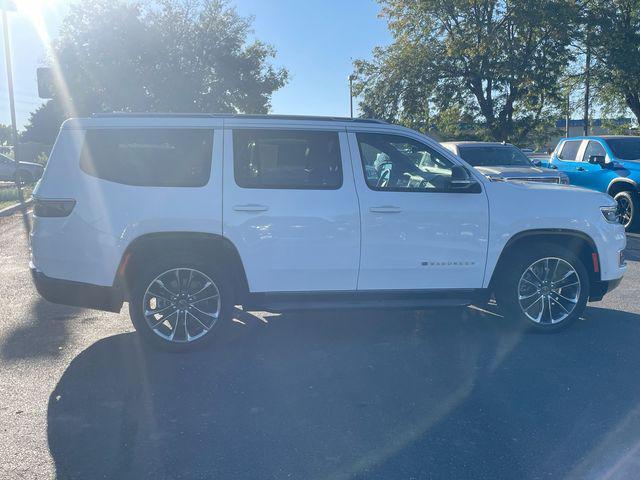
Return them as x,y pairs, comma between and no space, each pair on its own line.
250,208
581,169
385,209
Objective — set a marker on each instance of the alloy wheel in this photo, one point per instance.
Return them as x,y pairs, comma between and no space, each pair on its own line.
181,305
549,290
624,210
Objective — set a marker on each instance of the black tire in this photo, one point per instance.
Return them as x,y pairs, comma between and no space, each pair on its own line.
510,286
629,200
150,271
23,177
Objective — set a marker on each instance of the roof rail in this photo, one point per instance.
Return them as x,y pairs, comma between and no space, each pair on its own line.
236,115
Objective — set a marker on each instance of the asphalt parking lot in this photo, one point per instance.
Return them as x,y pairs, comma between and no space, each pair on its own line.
326,395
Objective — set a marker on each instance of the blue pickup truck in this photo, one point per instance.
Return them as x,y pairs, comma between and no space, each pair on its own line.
609,164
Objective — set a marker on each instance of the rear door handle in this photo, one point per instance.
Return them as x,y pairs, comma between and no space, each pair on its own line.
581,169
250,208
385,209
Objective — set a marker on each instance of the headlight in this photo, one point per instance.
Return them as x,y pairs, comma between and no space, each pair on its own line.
610,214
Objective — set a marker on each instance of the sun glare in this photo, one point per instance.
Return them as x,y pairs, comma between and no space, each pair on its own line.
34,10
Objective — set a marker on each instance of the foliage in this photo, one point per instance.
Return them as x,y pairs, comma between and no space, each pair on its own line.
163,56
616,41
496,61
5,135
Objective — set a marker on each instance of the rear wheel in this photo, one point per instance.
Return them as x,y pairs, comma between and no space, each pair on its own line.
180,304
545,289
628,210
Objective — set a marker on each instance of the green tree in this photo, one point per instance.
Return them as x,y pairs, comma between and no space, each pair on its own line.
6,134
616,43
498,61
162,56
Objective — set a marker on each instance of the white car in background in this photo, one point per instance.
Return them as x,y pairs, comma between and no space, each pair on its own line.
503,161
185,216
25,172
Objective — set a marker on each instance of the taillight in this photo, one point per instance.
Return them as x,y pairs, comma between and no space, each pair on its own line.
52,208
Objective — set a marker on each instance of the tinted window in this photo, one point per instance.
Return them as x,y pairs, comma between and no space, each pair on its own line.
570,150
393,162
149,157
593,148
494,155
625,148
287,159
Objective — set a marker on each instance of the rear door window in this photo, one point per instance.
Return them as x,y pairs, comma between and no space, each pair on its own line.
570,150
269,158
155,157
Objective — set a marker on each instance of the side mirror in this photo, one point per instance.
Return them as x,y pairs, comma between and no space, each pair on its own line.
461,181
598,160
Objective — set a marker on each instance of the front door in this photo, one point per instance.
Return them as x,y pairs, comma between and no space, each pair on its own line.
290,208
416,232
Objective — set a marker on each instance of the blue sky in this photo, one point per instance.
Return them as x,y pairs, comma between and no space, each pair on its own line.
316,41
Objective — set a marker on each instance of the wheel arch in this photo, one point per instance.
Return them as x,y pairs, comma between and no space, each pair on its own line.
574,240
621,184
216,246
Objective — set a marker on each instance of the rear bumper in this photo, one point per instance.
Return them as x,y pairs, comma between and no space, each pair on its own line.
601,288
77,294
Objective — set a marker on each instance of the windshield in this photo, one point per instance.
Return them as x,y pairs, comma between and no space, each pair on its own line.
625,148
494,155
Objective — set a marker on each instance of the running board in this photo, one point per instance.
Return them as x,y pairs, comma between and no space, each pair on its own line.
411,300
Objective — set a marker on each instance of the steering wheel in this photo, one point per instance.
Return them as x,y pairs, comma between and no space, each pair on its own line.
383,180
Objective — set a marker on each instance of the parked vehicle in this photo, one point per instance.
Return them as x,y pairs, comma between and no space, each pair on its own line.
503,161
185,216
24,172
609,164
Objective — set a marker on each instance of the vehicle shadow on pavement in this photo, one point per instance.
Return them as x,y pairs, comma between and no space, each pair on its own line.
632,252
44,336
355,395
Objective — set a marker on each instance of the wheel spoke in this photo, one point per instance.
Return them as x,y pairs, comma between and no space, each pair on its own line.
199,321
203,299
158,312
560,305
212,315
206,285
163,319
164,287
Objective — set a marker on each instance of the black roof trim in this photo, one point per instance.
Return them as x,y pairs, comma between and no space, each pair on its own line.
236,115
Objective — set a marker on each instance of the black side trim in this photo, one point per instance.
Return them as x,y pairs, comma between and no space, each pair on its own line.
409,299
601,288
77,294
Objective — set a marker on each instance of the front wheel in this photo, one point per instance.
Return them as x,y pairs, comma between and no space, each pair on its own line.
180,304
545,289
628,210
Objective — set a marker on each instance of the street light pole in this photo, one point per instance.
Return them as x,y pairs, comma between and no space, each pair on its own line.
8,5
352,77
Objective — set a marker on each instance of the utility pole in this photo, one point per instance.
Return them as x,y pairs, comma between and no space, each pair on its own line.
568,116
352,77
8,5
587,85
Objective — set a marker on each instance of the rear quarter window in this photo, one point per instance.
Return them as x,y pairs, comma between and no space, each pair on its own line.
155,157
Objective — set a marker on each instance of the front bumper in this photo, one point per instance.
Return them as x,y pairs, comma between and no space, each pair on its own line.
77,294
601,288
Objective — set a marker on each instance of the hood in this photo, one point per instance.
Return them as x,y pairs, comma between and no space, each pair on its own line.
517,171
633,165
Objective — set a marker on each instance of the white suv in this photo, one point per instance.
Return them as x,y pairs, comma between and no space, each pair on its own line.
185,216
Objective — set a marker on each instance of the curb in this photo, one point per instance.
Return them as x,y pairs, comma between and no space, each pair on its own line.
5,212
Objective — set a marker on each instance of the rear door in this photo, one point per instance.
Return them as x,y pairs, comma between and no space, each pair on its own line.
290,206
417,234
